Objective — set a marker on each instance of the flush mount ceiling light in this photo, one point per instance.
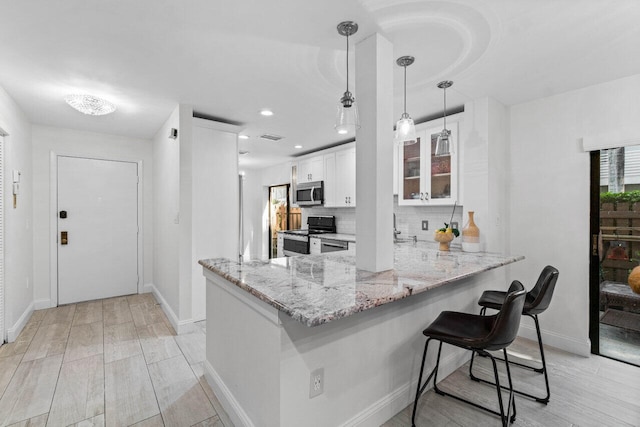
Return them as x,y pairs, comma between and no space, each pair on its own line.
443,145
89,104
347,118
405,128
266,112
243,136
297,147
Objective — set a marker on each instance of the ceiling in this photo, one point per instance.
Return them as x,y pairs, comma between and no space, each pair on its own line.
230,59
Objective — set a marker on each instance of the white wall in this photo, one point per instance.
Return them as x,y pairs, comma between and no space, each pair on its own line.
215,206
82,144
18,234
550,195
166,210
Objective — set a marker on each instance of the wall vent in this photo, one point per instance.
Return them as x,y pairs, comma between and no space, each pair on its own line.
271,137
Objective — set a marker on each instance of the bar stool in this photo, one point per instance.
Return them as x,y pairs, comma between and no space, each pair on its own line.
536,301
479,334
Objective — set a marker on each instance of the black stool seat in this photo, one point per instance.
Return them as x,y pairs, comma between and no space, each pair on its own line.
479,334
537,300
462,329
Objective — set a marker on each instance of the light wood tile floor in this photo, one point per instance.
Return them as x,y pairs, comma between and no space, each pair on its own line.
118,362
112,362
585,391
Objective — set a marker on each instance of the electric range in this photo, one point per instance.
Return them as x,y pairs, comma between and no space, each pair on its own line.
296,242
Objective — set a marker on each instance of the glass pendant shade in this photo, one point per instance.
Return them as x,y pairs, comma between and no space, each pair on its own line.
347,118
405,130
443,145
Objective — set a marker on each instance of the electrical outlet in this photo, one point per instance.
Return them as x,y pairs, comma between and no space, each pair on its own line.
316,383
425,225
454,224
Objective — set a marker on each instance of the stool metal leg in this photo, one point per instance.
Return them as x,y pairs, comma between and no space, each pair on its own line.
505,418
542,370
421,387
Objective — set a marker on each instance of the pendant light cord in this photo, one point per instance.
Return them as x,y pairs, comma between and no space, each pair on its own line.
444,112
347,62
405,89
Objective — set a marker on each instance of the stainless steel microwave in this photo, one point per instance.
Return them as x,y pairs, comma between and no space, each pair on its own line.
310,193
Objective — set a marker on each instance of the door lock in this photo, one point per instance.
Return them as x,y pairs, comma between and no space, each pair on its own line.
64,239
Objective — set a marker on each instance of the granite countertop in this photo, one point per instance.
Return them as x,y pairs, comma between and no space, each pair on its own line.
316,289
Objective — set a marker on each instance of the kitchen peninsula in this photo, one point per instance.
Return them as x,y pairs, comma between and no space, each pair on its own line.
271,323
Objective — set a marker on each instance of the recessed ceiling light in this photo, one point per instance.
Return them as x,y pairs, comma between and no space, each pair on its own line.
266,112
297,146
89,104
343,131
243,136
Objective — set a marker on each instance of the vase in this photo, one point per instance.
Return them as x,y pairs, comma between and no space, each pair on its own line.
471,235
444,239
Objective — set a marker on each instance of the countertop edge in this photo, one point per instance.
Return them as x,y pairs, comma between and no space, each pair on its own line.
339,314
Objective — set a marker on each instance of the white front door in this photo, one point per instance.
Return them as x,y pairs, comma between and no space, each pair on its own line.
97,229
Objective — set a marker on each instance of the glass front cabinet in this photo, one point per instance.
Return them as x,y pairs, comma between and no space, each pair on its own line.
424,178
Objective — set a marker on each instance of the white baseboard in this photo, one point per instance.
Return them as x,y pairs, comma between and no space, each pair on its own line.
553,339
228,401
388,406
377,413
180,326
14,331
41,304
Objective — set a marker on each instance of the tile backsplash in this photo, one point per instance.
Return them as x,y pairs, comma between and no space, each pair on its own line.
408,218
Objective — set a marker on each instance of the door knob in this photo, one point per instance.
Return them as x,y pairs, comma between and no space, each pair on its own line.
64,238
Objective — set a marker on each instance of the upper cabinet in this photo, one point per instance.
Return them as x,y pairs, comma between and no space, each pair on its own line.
311,169
425,179
340,178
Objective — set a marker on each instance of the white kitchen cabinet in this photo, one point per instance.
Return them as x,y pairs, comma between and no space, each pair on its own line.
345,178
424,179
330,180
340,178
311,169
315,246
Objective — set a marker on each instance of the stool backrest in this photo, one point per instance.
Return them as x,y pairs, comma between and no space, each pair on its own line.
507,322
539,298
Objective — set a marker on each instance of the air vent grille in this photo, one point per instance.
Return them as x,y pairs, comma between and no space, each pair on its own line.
271,137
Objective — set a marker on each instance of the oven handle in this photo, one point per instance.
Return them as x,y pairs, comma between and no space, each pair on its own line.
335,245
312,190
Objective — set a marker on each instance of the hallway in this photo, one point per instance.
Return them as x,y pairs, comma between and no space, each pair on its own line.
111,362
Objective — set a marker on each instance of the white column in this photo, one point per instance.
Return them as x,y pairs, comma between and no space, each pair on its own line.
374,154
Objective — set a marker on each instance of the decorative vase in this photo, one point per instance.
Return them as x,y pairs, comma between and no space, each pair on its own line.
634,280
444,239
471,236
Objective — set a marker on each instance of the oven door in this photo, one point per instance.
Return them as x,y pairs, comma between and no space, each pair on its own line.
295,246
329,245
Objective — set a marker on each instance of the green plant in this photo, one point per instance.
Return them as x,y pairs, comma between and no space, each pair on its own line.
455,231
615,198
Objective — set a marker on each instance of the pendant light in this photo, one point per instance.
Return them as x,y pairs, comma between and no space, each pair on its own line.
405,128
347,118
443,145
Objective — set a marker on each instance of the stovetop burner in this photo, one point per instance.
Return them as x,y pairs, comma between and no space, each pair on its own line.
317,225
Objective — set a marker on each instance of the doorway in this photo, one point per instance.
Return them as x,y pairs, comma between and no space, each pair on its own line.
97,228
615,228
282,216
